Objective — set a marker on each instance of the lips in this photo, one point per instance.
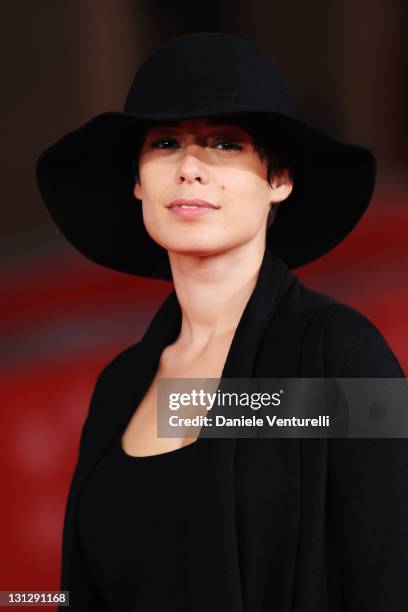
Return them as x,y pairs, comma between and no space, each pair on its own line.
186,203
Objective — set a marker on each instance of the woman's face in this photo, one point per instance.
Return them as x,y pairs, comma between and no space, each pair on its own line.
209,161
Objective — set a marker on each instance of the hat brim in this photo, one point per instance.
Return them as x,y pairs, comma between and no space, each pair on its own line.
86,182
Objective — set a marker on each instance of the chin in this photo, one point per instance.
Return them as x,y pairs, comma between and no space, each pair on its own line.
196,248
193,251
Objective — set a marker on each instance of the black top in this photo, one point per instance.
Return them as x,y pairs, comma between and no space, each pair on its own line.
132,523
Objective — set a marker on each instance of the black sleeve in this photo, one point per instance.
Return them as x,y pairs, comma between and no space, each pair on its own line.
367,479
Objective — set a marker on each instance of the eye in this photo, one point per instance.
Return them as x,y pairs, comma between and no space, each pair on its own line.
165,142
229,145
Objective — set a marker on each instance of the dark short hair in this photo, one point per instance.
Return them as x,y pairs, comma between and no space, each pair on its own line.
278,153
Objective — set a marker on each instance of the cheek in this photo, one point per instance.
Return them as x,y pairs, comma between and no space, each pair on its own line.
249,195
253,211
152,186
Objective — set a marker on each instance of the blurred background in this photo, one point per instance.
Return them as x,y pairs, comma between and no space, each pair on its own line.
62,317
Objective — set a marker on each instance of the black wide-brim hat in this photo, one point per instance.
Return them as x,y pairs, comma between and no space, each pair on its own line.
86,181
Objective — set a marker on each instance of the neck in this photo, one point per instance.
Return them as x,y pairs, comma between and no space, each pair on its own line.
213,291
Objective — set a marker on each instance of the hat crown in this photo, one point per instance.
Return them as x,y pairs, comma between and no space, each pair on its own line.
200,71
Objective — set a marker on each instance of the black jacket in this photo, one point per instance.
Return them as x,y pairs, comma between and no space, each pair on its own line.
277,525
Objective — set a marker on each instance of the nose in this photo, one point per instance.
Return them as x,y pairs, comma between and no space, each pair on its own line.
191,169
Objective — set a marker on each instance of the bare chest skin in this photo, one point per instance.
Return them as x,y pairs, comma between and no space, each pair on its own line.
140,436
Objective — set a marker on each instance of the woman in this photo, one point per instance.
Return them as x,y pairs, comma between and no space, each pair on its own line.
199,523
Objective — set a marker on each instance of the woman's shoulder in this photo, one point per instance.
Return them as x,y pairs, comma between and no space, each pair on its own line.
111,375
112,372
353,346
